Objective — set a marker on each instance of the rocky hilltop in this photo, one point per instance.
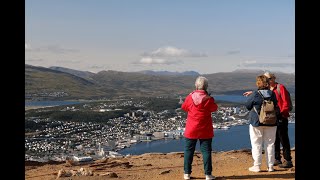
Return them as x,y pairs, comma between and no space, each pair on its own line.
158,166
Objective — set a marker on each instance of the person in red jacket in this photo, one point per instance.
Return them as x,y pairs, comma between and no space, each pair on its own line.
282,128
199,105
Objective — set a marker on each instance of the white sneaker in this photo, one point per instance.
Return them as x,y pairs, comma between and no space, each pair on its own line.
254,169
186,176
209,177
270,169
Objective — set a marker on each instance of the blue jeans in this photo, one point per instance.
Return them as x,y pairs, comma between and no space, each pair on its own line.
205,147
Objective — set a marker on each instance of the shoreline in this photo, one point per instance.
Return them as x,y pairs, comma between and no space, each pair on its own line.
34,162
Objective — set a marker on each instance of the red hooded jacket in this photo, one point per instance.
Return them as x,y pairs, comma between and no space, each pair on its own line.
199,106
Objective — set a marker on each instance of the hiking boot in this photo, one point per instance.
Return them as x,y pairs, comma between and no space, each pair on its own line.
254,169
210,177
186,176
277,162
286,164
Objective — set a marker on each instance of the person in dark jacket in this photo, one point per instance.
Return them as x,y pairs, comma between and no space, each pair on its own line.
282,129
199,105
261,134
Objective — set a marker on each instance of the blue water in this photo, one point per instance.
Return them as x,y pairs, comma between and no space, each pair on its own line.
49,103
237,137
231,98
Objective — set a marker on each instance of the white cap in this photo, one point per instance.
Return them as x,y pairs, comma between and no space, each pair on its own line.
268,74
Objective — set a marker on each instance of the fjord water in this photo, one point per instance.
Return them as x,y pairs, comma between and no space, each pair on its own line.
235,138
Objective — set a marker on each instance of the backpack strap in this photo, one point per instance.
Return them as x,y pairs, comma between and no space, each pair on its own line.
255,110
262,100
261,95
278,89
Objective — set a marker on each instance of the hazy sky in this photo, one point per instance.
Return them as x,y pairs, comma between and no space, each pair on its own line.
206,36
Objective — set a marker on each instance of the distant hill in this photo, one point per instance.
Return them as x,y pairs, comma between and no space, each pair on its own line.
44,83
83,74
57,83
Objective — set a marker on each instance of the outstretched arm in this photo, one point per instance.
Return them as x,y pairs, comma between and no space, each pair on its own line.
247,93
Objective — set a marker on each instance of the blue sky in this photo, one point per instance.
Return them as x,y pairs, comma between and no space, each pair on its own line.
206,36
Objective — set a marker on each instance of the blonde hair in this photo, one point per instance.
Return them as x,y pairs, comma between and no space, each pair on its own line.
201,83
262,82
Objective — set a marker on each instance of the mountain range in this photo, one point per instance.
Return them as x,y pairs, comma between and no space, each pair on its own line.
60,83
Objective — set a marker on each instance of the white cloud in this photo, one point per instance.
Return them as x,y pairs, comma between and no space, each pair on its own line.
170,51
268,65
150,61
282,66
276,61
